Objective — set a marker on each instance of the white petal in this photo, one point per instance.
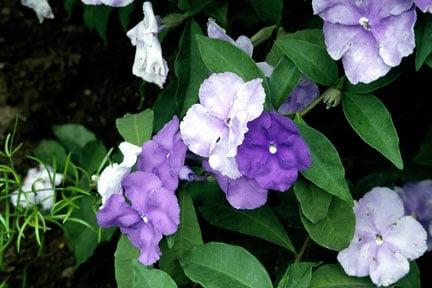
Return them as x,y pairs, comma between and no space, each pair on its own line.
130,153
266,68
357,258
388,267
110,181
200,130
245,44
216,32
408,237
220,162
250,99
41,8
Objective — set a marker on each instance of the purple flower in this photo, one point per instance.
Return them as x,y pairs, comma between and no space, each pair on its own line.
216,127
164,155
153,211
241,193
384,239
424,5
417,198
370,36
302,95
273,152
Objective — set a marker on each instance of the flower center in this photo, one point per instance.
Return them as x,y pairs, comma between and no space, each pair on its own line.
363,21
143,217
379,239
228,121
272,148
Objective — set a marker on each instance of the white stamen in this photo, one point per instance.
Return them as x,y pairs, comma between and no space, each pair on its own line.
379,240
363,21
272,148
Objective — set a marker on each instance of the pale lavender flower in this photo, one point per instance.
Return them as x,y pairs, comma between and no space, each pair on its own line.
384,239
38,188
302,95
110,179
241,193
149,63
370,36
112,3
164,155
216,127
273,152
150,212
424,5
417,198
40,7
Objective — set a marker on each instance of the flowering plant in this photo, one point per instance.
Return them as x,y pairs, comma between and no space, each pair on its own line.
227,144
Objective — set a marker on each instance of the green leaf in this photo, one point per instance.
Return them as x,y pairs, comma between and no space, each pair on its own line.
83,240
307,50
92,156
336,230
165,105
333,276
261,223
51,152
69,6
423,40
189,68
429,61
327,171
147,277
96,18
221,56
124,258
73,136
187,236
424,157
269,10
283,80
298,275
219,265
136,128
314,201
412,280
362,88
124,14
218,11
368,116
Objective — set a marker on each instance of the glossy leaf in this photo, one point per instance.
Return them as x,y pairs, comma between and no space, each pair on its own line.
136,128
124,259
73,136
147,277
268,10
423,40
298,275
283,80
332,276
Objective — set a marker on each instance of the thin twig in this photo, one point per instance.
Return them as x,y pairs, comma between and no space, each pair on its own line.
302,250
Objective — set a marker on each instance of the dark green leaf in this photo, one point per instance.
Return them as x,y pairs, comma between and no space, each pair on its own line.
124,14
189,68
283,80
333,276
136,128
147,277
368,116
298,275
83,240
424,157
327,171
69,6
52,153
96,17
423,40
336,230
269,10
73,136
307,50
314,201
362,88
92,156
165,105
260,223
188,236
219,11
124,258
219,265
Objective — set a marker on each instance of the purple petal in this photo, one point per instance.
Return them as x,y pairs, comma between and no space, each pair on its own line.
216,32
217,93
384,8
245,44
200,130
302,95
424,5
116,212
163,211
138,186
395,37
362,61
388,267
356,259
408,237
338,11
276,177
220,161
339,38
166,136
266,68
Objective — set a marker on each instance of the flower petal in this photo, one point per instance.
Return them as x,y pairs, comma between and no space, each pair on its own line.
200,130
220,161
137,187
362,61
116,212
164,211
356,259
110,181
337,11
424,5
130,153
388,267
339,38
395,36
216,32
217,93
245,193
408,237
245,44
266,68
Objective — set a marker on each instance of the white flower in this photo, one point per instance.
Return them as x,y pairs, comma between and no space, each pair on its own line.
38,188
112,3
110,179
149,63
41,8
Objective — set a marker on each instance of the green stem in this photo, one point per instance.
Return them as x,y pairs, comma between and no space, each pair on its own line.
302,250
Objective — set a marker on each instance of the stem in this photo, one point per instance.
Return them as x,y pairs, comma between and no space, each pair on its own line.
312,105
302,250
